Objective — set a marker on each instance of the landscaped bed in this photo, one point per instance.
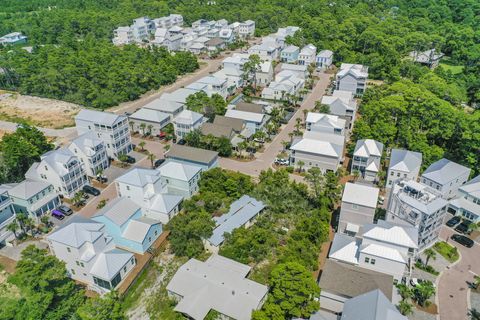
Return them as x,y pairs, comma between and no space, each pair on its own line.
447,251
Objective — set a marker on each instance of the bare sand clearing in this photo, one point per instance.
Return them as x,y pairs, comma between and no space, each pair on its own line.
42,112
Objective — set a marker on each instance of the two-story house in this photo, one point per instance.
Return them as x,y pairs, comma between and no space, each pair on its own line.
359,203
180,178
92,153
186,122
246,29
62,169
253,121
327,123
307,55
446,177
290,54
383,247
130,228
467,202
149,121
34,198
147,189
90,255
214,85
415,204
404,164
353,78
342,104
324,59
366,158
205,159
111,128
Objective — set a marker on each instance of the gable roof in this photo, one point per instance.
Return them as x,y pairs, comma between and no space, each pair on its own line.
165,202
351,281
177,170
137,229
234,123
150,115
187,153
405,160
472,187
188,117
372,305
443,171
56,159
246,116
77,231
318,147
325,119
249,107
344,248
360,194
106,118
357,70
164,105
109,263
216,130
241,211
384,252
391,233
139,177
368,147
219,284
27,188
119,210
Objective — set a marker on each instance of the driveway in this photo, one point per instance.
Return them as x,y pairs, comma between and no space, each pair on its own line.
265,159
453,292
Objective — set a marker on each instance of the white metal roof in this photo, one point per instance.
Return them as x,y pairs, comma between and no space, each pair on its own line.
137,229
367,148
405,160
444,171
390,233
150,115
119,210
319,147
383,252
106,118
344,248
77,231
246,116
109,263
472,187
360,194
139,177
177,170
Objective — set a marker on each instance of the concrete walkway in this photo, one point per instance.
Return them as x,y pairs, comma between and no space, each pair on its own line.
265,159
453,290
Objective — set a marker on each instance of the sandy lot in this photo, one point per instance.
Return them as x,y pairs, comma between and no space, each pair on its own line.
42,112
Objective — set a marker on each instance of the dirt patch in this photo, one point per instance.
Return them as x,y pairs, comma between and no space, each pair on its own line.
432,308
42,112
8,264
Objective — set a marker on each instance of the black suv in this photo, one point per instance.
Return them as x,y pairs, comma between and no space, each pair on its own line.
464,241
453,222
463,227
91,190
65,210
130,159
158,163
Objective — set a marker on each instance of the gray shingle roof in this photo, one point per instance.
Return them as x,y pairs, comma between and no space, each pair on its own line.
351,281
216,130
241,211
372,305
236,124
249,107
443,171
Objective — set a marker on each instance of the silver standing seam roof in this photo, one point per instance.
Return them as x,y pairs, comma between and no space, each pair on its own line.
118,210
372,305
106,118
77,231
139,177
27,189
405,160
443,171
241,211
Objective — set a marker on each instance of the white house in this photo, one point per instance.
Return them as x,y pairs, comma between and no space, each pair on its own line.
90,254
7,215
467,202
205,159
214,85
324,59
353,78
266,50
148,190
286,83
431,58
123,35
92,153
342,104
227,35
164,105
253,121
186,122
383,247
13,38
366,158
359,203
373,305
62,169
415,204
218,284
300,71
282,34
317,150
264,74
327,123
180,178
307,55
404,164
111,128
246,29
149,121
446,177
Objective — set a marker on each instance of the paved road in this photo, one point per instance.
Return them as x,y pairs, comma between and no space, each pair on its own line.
453,293
61,133
265,160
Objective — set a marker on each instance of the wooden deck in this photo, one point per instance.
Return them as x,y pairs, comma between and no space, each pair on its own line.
142,262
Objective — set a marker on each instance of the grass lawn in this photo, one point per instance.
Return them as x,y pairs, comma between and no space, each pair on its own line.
447,251
453,69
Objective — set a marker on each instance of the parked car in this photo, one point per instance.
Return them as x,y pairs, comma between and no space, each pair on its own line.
464,241
416,281
58,214
181,142
65,210
91,190
158,163
463,227
453,221
281,162
130,159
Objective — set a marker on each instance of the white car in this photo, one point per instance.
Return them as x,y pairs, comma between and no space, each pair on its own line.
282,162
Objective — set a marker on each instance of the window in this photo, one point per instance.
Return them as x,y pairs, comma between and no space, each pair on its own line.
78,263
367,259
156,232
355,206
149,239
81,263
128,187
73,271
125,269
392,173
372,261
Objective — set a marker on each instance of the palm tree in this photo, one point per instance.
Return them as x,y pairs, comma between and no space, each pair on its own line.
305,112
405,307
474,314
284,145
472,227
132,124
151,157
45,220
300,165
429,254
13,227
143,126
22,218
404,291
356,174
142,144
77,198
422,292
150,127
30,224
